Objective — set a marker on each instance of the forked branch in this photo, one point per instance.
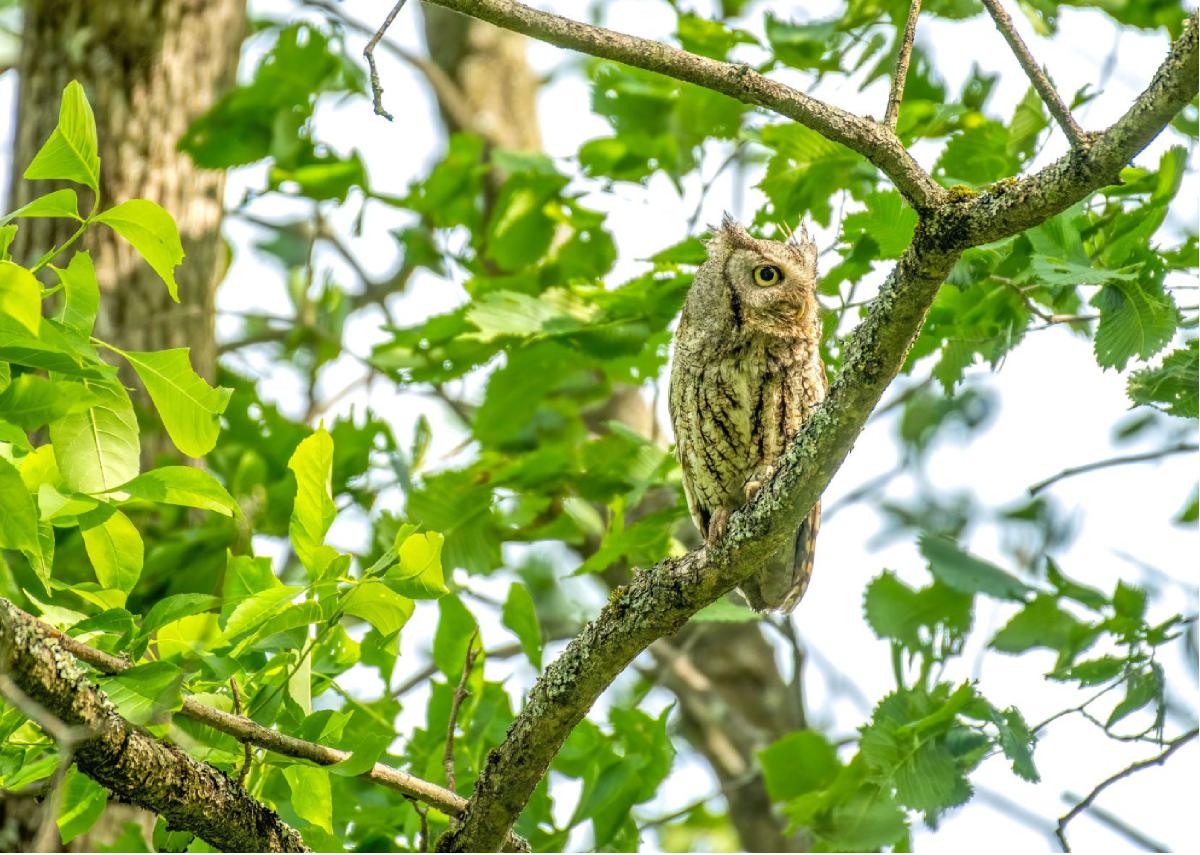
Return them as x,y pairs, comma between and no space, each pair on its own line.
1037,75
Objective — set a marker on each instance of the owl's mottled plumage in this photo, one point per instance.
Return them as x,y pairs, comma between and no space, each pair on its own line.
746,373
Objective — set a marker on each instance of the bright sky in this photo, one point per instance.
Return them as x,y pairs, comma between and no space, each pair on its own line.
1056,409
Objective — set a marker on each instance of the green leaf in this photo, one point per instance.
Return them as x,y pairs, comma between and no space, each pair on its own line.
1041,624
18,514
798,763
152,232
83,800
146,693
968,574
1137,318
419,571
98,450
456,627
1016,741
81,293
312,796
1172,386
182,485
7,235
172,608
896,611
313,510
71,152
1143,687
20,296
724,611
1129,601
520,616
32,400
887,221
189,408
116,552
1028,122
255,609
60,203
378,605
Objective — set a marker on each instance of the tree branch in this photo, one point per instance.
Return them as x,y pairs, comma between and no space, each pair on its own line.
1037,76
1011,206
1181,448
251,733
870,139
369,55
657,603
1172,746
902,59
128,761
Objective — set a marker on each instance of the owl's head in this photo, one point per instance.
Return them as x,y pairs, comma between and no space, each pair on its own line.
766,287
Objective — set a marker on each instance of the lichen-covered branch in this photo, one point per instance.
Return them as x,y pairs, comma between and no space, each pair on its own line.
660,601
133,765
864,135
1038,77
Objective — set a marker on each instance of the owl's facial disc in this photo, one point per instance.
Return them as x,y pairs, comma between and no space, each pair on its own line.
775,291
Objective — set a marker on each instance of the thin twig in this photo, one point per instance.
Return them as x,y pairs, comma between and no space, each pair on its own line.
1120,826
369,53
248,751
1172,746
423,813
1181,448
902,60
460,694
1038,77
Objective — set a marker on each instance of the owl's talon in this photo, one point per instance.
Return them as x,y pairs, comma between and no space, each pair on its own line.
752,488
717,526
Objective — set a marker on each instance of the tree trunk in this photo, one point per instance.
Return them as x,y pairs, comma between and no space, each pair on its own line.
149,68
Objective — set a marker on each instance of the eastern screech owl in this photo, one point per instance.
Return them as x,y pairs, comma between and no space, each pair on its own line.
746,373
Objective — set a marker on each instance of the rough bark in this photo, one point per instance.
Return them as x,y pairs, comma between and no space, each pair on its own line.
149,68
134,766
659,602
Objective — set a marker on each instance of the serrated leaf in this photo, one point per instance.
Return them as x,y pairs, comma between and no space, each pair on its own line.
60,203
313,510
98,450
895,611
152,232
71,153
520,616
378,605
146,693
1142,688
887,221
1172,386
1041,624
116,551
419,571
968,574
189,408
1137,318
1016,741
182,485
20,296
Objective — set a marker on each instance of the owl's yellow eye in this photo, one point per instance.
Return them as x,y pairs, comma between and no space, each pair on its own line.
767,275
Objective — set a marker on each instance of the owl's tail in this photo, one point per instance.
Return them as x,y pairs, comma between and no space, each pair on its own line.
781,582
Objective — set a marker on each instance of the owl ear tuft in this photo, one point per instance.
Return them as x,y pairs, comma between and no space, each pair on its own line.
803,245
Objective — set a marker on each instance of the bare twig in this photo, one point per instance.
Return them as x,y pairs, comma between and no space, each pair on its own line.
423,813
1172,746
902,60
248,757
1038,77
460,694
1120,826
1181,448
506,651
369,54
